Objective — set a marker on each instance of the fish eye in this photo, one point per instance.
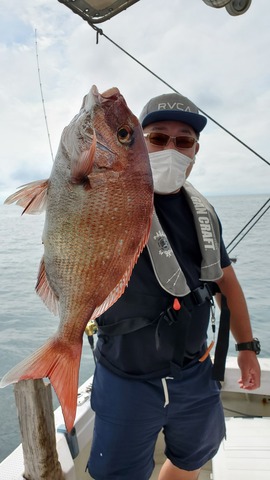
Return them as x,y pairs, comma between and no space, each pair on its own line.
124,134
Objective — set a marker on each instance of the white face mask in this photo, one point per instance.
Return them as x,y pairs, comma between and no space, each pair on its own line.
169,170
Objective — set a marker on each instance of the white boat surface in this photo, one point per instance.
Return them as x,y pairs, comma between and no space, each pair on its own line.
243,455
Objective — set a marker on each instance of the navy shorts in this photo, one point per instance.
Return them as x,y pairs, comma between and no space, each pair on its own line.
130,414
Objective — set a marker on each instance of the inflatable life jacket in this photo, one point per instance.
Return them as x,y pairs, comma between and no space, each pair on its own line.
167,270
171,278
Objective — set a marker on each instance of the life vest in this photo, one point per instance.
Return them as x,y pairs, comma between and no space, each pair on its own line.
171,278
166,267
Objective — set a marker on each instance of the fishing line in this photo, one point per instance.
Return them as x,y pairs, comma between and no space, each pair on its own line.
100,32
42,97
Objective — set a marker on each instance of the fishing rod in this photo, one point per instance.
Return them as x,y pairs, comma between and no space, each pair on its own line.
42,96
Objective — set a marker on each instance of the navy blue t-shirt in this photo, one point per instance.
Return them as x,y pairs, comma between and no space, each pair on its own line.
138,354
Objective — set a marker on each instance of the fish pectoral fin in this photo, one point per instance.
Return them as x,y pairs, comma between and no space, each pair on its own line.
82,168
60,362
32,196
45,291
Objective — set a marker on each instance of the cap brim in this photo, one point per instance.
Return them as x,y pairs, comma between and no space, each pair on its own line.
196,121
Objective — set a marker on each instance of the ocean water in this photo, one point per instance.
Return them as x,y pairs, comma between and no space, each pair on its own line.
25,323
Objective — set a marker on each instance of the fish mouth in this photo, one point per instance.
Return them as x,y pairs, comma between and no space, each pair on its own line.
110,94
95,98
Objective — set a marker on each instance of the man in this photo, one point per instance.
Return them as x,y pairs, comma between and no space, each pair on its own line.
153,371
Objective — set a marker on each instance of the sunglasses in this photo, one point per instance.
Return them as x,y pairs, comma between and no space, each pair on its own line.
162,140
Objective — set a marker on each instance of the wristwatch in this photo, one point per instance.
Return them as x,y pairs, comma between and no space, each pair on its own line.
254,346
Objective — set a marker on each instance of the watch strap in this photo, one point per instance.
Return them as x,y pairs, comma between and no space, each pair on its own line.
253,345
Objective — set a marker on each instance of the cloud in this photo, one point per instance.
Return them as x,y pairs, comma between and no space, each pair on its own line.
220,62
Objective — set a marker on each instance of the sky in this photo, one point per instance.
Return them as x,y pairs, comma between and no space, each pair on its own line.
219,61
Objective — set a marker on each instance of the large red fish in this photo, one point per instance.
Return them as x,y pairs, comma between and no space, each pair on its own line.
98,201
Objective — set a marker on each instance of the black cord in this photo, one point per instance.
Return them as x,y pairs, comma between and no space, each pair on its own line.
92,346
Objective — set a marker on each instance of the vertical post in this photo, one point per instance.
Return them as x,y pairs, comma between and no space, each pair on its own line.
36,419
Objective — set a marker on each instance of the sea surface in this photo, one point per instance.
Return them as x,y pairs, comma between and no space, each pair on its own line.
25,322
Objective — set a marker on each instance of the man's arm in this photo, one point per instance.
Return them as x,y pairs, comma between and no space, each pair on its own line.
240,328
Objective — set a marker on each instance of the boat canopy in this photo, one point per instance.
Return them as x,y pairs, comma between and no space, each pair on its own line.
98,11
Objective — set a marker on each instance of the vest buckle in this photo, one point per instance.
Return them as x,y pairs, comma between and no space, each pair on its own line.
201,294
171,315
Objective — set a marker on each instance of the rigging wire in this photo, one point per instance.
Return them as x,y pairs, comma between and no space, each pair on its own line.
247,224
42,97
100,32
253,225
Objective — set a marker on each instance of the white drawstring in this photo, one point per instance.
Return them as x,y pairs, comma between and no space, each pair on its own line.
166,393
165,389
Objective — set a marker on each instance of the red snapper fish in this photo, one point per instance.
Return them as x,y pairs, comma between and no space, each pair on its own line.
99,203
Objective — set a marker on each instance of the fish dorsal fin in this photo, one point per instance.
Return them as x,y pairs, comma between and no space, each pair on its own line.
32,196
44,290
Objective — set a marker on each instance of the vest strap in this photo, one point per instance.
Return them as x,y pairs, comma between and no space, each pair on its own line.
128,325
165,265
181,321
222,342
208,232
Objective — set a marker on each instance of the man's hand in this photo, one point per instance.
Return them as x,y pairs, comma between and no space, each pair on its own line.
250,370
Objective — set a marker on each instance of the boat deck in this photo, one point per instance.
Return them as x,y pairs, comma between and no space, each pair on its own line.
245,454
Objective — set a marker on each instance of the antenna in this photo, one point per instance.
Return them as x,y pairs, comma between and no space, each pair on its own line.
42,97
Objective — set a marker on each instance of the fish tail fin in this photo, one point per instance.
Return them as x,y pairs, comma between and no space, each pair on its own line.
32,197
58,361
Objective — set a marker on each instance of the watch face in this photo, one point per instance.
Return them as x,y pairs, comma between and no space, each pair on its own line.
257,346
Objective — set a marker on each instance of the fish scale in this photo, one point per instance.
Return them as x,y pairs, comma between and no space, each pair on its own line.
99,205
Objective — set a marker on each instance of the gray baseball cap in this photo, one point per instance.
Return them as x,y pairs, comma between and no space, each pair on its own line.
172,106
